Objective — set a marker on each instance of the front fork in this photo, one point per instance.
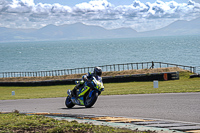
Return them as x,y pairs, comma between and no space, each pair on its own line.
90,94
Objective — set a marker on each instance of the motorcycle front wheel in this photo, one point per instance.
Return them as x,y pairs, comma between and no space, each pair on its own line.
90,100
68,102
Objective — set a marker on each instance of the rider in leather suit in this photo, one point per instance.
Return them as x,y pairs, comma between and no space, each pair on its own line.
88,77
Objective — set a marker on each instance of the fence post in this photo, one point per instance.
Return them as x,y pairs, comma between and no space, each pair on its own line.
194,69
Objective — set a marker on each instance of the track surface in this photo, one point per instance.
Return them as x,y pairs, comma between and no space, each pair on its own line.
173,106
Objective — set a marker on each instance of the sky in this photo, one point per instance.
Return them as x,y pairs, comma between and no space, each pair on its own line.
141,15
114,2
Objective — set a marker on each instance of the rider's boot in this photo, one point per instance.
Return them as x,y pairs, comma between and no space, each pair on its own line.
74,91
78,85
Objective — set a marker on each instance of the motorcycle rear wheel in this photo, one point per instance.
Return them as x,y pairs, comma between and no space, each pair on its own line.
90,101
68,102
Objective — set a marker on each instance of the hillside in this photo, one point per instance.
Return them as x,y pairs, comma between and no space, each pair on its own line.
82,31
179,27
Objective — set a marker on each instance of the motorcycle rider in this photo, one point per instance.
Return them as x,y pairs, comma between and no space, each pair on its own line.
87,78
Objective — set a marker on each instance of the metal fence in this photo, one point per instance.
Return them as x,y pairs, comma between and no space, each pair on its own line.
105,68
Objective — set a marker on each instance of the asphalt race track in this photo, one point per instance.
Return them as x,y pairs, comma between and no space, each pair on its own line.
171,106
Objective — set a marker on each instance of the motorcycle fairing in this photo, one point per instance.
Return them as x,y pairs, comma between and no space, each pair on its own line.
81,100
98,85
78,101
84,90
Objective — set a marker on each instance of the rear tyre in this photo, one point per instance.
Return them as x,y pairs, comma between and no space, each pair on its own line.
90,101
68,102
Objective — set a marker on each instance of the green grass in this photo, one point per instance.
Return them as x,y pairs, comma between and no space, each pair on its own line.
184,84
34,92
15,122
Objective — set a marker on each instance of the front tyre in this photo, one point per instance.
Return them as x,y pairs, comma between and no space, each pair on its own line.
68,102
90,100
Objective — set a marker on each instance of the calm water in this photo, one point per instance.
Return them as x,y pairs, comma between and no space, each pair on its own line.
56,55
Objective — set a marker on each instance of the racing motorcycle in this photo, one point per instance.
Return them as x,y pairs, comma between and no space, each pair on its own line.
86,95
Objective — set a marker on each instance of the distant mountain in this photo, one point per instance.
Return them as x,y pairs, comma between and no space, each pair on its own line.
64,32
179,27
81,31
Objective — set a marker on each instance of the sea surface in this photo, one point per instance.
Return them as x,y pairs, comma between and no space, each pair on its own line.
58,55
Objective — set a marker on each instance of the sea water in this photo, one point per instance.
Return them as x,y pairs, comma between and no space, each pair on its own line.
58,55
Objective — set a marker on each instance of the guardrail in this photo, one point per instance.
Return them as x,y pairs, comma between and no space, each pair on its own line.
105,68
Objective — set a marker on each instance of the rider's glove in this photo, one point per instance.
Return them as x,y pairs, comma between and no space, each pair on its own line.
85,78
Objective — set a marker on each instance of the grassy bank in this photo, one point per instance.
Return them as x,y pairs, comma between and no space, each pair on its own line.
75,76
15,122
185,84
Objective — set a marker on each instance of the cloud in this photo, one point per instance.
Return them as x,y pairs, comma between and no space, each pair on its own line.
138,15
95,5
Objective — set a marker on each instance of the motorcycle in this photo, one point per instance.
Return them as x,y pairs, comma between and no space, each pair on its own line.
86,95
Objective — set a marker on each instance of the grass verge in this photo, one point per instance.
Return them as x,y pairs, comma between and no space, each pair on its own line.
15,122
185,84
75,76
